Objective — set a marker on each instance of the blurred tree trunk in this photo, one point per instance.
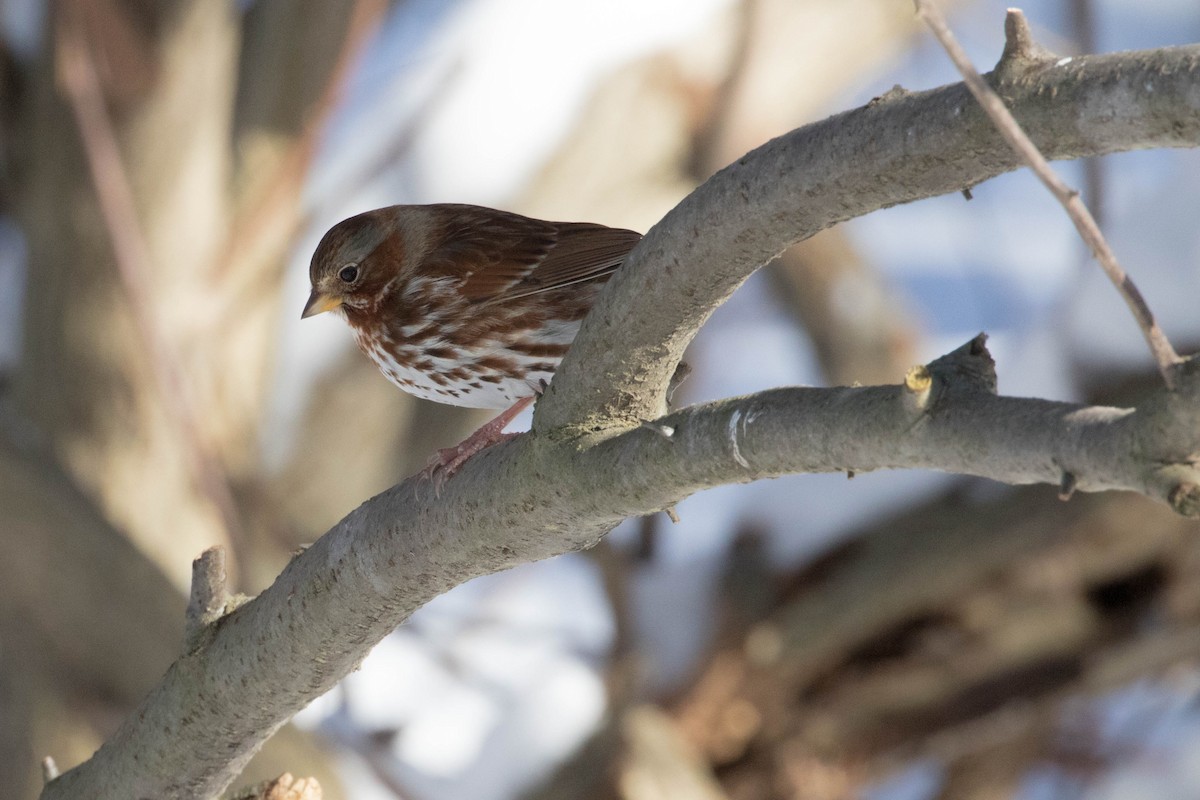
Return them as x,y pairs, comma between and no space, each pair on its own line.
86,380
211,109
954,632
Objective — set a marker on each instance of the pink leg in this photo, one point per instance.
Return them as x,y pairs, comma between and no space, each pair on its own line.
443,464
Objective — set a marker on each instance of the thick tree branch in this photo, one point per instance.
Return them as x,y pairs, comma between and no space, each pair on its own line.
533,498
952,421
541,495
902,147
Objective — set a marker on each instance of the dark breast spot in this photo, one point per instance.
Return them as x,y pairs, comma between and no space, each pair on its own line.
499,364
537,350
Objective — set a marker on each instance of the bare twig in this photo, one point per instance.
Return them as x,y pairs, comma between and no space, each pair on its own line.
1016,29
80,81
209,594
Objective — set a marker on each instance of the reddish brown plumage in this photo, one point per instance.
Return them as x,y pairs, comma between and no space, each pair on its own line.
462,304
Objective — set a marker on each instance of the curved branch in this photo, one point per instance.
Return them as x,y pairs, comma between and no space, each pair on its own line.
532,498
542,495
899,148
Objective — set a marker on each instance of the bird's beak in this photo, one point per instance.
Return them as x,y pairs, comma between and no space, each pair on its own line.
319,303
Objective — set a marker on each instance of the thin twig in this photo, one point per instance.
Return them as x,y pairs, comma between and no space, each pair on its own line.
1016,27
79,78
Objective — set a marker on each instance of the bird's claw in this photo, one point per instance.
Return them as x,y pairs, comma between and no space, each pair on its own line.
443,464
447,461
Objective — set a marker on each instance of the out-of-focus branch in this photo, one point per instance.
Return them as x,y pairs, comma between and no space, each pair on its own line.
134,263
1019,52
1083,29
660,764
272,217
701,106
859,326
953,632
857,323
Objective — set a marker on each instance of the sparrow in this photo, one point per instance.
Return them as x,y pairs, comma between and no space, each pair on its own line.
462,304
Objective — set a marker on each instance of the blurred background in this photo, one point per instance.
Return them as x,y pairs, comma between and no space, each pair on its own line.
166,169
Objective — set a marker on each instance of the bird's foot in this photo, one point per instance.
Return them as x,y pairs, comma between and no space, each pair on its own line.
447,461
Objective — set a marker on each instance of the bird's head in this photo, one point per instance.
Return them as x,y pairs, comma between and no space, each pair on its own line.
350,265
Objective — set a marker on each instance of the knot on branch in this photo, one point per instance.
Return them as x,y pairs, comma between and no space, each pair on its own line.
917,384
1185,376
968,367
1022,54
1185,499
1067,485
210,599
897,92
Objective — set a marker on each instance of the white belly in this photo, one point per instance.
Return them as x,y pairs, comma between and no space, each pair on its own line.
460,381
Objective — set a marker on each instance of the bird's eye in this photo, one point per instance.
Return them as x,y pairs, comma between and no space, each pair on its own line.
349,273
